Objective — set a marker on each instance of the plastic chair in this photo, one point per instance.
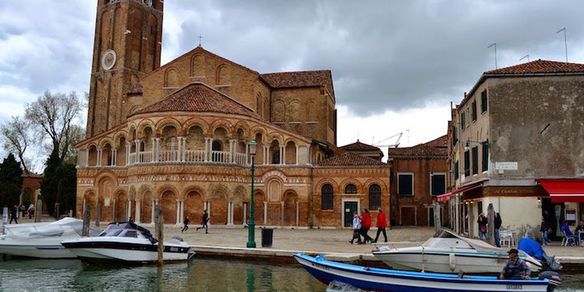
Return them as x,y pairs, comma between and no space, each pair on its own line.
506,238
569,240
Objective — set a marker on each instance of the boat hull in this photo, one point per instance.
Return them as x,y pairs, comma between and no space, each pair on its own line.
131,252
43,251
392,280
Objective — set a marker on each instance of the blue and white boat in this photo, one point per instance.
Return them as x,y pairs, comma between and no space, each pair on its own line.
377,279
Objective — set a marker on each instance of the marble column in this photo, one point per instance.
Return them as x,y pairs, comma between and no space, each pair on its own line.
178,212
99,155
137,216
129,209
297,213
114,157
265,213
244,214
282,155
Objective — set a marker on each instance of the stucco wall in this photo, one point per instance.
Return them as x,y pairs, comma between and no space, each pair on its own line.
539,123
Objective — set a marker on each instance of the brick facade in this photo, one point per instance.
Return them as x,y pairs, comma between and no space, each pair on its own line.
179,135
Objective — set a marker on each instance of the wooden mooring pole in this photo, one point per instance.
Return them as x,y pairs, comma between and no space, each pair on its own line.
491,224
86,219
159,229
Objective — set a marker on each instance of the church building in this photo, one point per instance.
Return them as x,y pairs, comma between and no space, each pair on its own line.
181,135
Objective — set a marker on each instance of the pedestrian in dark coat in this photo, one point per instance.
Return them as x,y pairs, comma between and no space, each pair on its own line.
498,223
13,214
186,224
204,222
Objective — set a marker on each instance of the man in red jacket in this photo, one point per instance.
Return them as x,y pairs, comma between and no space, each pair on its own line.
381,225
365,225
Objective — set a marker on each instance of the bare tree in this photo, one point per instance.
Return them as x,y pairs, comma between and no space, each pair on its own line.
17,138
54,115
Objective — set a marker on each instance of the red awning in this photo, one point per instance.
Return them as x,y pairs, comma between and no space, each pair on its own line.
445,197
564,189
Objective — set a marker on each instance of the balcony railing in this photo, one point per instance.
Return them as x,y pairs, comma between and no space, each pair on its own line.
194,155
220,156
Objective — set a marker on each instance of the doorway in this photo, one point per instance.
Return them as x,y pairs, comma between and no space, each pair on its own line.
348,208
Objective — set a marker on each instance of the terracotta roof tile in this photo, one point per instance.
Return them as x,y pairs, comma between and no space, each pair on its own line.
358,147
436,148
198,97
300,79
539,66
350,159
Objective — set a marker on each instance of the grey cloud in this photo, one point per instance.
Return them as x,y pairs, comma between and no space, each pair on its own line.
383,54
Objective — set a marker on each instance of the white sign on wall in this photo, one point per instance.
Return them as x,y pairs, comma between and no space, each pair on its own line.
506,165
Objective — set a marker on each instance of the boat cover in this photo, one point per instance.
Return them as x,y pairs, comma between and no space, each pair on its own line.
531,247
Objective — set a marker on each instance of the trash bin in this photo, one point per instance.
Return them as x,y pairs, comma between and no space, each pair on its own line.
267,236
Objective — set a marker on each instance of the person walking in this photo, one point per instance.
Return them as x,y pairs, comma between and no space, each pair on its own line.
356,228
365,226
381,224
204,222
498,223
186,224
544,231
13,214
482,221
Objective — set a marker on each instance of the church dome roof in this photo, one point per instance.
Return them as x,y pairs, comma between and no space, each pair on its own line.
199,97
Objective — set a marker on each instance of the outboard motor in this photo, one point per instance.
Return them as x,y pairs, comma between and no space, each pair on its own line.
550,263
554,279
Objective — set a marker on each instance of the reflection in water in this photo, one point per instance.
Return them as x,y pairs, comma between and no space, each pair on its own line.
199,275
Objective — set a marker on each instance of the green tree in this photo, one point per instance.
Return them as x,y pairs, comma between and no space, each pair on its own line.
10,181
67,187
50,182
59,185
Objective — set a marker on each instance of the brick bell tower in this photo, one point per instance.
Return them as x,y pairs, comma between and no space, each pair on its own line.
127,44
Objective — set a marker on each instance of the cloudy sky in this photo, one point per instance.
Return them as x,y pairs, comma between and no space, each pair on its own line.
396,65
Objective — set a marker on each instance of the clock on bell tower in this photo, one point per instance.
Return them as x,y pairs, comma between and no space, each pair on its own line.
127,45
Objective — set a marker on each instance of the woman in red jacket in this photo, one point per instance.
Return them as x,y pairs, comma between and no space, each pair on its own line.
381,225
365,225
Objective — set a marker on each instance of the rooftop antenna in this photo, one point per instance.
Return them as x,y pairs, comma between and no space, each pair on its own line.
565,41
494,45
200,39
526,56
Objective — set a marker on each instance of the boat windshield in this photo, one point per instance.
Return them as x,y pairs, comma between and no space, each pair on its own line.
472,243
127,229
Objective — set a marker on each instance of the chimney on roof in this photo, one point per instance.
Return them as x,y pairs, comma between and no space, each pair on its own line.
465,94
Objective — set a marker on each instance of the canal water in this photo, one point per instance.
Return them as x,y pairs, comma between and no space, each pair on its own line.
199,275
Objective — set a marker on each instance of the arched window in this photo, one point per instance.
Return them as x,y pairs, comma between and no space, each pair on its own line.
374,197
276,157
350,189
327,197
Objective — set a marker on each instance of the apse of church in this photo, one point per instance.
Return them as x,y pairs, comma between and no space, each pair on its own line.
178,135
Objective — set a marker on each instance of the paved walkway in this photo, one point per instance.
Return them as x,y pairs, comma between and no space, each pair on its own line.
322,241
326,240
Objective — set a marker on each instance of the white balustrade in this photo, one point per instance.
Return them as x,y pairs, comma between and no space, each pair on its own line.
144,157
194,155
132,158
190,156
240,158
220,156
168,155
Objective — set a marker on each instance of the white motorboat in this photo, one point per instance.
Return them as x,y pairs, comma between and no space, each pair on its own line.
448,252
41,240
127,242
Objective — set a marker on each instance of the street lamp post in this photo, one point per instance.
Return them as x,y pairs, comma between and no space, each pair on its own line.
251,226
